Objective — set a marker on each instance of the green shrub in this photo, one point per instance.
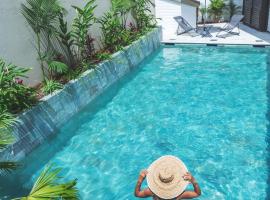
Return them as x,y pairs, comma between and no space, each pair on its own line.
49,86
56,68
116,33
141,12
65,40
14,96
100,56
215,9
122,8
81,24
72,74
115,37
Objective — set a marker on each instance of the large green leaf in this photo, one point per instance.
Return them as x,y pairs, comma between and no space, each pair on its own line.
47,186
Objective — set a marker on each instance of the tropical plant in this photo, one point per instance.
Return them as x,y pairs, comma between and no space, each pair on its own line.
7,120
8,166
139,9
100,56
203,12
231,8
72,74
42,16
50,85
66,42
141,12
89,47
56,68
134,32
215,9
14,96
122,8
114,35
47,186
81,24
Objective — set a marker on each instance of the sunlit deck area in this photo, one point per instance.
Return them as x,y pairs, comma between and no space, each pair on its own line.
247,36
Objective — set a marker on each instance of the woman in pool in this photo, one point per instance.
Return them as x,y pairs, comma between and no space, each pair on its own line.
167,178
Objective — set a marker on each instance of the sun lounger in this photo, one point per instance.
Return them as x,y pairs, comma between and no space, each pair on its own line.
230,26
185,27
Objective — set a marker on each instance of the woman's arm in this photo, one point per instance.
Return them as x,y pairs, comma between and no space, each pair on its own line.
196,187
142,193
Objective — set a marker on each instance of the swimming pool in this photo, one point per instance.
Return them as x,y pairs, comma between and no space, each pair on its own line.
206,105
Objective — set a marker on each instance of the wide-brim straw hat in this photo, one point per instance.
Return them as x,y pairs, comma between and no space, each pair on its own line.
165,177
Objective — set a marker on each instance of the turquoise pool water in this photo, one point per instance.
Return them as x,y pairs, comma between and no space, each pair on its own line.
206,105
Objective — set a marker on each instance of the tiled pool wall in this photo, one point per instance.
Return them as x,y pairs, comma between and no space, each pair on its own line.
48,116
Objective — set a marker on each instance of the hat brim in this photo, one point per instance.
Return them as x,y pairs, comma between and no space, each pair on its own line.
165,190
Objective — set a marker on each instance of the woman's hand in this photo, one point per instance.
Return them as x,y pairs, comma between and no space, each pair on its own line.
190,194
143,173
189,177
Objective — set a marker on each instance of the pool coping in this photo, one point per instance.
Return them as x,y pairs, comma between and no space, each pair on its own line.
46,118
215,44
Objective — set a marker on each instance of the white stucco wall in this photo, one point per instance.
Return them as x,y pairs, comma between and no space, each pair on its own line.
17,44
189,13
167,9
16,39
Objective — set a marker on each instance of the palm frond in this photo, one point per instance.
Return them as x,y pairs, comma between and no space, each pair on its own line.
58,67
6,122
6,119
48,187
42,16
6,138
8,166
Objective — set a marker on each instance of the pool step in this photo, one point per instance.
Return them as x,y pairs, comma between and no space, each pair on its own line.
212,45
169,43
258,46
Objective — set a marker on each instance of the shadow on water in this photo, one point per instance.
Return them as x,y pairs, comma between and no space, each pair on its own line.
267,138
19,182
